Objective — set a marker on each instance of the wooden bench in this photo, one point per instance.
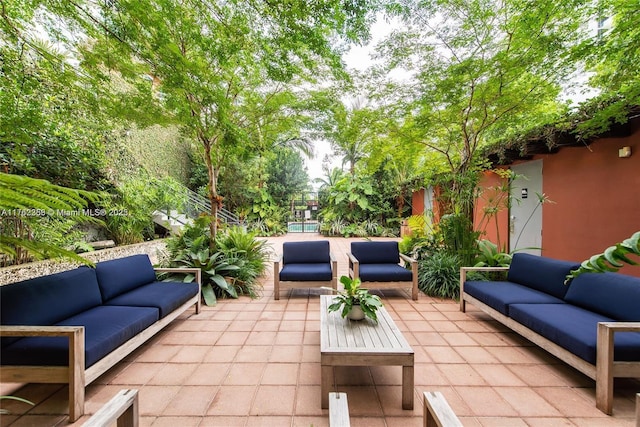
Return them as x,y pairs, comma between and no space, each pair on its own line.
122,409
338,410
437,411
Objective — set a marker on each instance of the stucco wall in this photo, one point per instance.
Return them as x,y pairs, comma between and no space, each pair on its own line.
16,273
596,195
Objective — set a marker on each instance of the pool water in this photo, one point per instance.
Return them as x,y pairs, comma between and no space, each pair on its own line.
297,227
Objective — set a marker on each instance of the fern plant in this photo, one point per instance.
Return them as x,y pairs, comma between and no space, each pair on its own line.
612,259
29,198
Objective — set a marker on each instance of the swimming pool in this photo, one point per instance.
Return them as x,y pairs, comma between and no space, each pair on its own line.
297,227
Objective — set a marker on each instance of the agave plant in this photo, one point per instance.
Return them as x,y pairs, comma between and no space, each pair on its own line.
215,268
612,259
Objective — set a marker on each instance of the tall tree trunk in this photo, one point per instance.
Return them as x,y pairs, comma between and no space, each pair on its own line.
214,198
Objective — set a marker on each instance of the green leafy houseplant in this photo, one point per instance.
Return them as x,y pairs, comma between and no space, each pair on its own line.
354,295
612,259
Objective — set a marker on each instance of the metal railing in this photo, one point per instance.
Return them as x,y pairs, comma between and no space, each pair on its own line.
193,206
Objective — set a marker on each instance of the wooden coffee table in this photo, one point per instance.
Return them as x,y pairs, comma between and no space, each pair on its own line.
345,342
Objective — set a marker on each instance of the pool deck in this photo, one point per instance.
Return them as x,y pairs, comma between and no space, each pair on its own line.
257,363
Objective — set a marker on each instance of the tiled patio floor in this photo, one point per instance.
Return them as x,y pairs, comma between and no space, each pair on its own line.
257,363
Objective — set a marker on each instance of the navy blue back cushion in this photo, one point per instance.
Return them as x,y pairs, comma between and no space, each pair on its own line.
376,252
611,294
541,273
165,296
118,276
49,299
305,252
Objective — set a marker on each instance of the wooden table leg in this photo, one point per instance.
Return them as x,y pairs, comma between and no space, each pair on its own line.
326,383
407,387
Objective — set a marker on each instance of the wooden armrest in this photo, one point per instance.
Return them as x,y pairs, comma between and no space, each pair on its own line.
437,411
354,265
484,268
464,270
332,257
338,410
39,331
277,263
407,258
122,408
621,326
195,271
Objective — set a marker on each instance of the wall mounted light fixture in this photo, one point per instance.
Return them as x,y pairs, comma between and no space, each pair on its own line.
624,152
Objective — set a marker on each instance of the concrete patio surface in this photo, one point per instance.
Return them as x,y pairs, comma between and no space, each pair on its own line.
257,363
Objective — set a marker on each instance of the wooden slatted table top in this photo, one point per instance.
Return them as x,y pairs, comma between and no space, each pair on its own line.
341,335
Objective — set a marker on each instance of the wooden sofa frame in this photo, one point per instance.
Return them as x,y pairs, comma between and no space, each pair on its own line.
354,271
290,284
122,410
605,369
75,373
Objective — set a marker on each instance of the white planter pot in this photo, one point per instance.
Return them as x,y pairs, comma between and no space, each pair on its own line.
356,313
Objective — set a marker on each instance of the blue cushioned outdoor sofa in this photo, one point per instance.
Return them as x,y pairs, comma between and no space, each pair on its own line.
305,265
73,326
576,322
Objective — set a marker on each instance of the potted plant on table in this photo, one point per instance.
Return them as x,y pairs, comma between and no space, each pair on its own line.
355,302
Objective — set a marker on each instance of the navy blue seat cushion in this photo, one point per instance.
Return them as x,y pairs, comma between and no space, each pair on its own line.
49,299
574,329
376,252
498,295
305,252
165,296
313,272
106,328
611,294
118,276
384,273
541,273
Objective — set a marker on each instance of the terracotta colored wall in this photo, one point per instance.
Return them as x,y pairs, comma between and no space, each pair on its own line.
417,202
494,227
596,198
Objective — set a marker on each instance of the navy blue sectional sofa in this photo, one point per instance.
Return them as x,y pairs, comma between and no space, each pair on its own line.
576,322
71,327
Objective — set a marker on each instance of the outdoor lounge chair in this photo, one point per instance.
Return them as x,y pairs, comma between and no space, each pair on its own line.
377,264
305,265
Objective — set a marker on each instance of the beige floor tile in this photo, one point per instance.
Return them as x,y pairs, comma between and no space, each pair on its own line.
274,400
233,401
244,374
191,401
280,374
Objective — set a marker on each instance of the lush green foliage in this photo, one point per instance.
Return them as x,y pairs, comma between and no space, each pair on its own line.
439,274
128,213
30,200
612,259
352,295
230,271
